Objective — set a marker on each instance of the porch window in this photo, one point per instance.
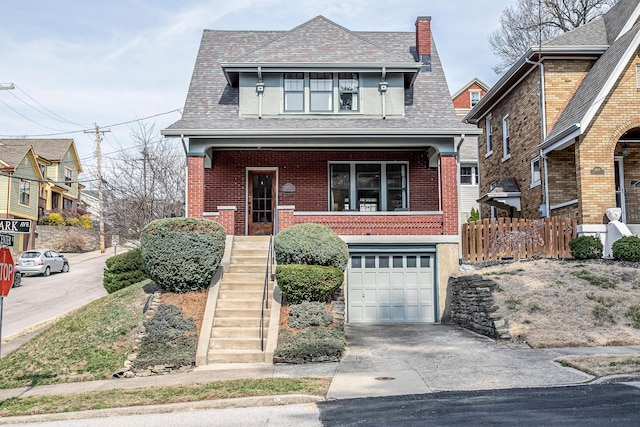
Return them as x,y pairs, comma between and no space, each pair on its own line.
469,175
293,92
506,148
489,134
535,172
348,86
67,176
321,91
25,192
368,187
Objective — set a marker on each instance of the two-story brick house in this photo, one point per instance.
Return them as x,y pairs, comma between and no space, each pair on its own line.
561,127
351,129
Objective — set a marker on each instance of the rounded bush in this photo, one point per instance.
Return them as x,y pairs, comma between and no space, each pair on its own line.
626,249
52,219
586,247
300,283
311,244
123,270
85,221
315,342
309,313
182,254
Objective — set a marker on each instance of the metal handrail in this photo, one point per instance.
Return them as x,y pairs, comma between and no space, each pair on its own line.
268,275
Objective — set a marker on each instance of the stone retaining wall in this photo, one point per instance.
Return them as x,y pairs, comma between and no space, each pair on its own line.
473,307
59,238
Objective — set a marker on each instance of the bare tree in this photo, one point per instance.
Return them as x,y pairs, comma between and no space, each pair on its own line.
530,22
144,183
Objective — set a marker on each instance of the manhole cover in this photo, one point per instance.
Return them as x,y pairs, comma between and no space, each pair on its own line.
385,378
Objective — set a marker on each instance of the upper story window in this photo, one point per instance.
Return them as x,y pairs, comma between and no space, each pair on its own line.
67,176
321,91
469,175
489,135
294,92
25,192
348,86
368,187
506,148
475,97
67,204
42,169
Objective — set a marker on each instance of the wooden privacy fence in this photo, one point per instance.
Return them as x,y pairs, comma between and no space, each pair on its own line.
497,238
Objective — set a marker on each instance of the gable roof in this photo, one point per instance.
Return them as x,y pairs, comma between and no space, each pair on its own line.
211,107
592,39
51,150
596,85
12,154
471,82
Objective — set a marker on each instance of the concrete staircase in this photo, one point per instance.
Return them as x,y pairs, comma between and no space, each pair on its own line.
235,336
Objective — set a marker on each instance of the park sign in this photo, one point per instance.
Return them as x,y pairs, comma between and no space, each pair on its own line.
15,226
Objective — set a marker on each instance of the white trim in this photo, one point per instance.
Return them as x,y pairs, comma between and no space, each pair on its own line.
562,205
618,163
227,208
563,143
358,213
205,214
488,137
611,81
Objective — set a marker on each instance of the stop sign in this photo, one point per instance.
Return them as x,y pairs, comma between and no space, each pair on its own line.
6,271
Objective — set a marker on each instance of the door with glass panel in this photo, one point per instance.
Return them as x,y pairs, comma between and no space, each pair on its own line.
260,203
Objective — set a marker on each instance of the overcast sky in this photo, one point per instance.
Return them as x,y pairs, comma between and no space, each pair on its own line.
76,63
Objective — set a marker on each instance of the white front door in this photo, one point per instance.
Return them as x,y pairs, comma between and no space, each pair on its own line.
620,196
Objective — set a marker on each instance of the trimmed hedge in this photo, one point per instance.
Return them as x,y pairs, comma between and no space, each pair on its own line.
300,283
311,244
309,313
317,341
123,270
182,254
586,247
626,249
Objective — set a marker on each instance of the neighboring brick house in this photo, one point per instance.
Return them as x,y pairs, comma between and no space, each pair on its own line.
570,145
463,100
353,130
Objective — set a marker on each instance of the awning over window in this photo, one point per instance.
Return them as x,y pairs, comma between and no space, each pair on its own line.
504,195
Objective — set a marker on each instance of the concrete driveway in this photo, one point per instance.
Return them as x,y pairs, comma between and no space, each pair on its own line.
384,360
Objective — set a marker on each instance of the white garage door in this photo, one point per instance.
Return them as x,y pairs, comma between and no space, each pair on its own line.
391,288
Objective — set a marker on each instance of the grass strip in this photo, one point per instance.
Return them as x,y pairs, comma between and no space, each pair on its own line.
120,398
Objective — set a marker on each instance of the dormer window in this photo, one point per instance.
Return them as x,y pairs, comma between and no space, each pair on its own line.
294,92
348,85
321,91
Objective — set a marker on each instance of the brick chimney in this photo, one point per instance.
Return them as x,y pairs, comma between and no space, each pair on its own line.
423,39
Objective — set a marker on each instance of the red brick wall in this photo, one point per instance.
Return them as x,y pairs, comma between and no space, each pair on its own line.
448,171
374,225
423,35
464,99
308,171
195,187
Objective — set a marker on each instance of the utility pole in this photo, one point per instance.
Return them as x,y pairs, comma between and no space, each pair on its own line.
97,131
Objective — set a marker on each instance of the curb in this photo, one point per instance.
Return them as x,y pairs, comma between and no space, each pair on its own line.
616,378
242,402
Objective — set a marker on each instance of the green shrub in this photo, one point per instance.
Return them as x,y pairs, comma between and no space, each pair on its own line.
586,247
309,314
182,254
311,244
72,222
123,270
315,342
474,215
300,283
170,340
626,249
52,219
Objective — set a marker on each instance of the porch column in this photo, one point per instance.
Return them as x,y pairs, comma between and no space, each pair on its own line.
195,186
227,218
449,194
285,217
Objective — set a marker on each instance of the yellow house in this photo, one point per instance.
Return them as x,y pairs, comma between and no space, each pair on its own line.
20,179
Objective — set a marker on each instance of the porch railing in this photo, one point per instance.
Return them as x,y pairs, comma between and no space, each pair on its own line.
494,239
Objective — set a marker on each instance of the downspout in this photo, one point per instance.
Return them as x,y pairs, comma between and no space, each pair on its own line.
260,89
457,151
383,91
